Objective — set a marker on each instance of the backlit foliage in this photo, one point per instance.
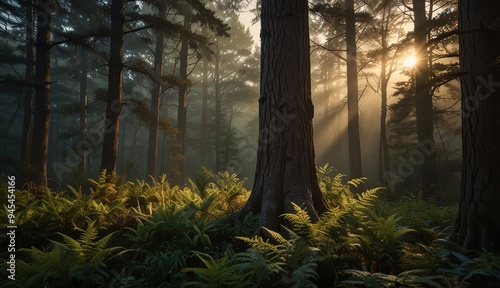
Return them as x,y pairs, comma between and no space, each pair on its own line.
150,234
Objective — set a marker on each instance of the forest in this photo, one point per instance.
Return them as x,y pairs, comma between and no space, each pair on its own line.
250,143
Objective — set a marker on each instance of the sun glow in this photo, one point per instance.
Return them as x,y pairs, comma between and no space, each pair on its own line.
410,61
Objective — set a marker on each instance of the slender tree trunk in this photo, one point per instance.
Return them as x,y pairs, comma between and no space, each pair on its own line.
29,91
218,114
384,162
180,143
204,142
423,100
355,168
115,83
326,94
286,171
478,221
155,98
227,144
40,145
83,103
123,136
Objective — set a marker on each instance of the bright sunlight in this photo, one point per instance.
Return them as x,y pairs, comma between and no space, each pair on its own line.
410,61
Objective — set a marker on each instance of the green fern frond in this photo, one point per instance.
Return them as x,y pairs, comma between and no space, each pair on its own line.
216,273
299,219
367,198
68,242
88,236
357,181
275,235
261,245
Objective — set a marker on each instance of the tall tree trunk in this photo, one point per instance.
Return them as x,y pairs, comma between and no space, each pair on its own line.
423,101
355,168
115,83
227,144
29,77
383,149
180,143
286,171
478,221
155,98
83,103
204,107
384,162
40,144
326,94
218,114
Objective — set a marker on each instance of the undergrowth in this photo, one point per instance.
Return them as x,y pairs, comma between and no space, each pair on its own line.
150,234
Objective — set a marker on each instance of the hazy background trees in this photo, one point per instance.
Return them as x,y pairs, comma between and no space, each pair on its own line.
184,106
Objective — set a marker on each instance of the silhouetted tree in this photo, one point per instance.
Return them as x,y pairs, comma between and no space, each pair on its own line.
385,28
115,83
40,144
155,96
478,221
29,77
355,167
423,99
179,148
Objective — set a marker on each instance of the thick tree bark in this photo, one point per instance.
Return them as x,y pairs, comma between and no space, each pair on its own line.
155,98
286,171
115,83
478,222
179,150
40,144
29,91
355,168
423,101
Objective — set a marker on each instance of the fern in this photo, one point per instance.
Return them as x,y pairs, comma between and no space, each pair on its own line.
410,278
160,268
300,220
290,262
357,181
216,273
71,261
480,271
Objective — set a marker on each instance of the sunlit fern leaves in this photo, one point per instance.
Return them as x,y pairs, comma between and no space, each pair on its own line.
357,181
194,201
109,189
300,220
231,194
201,182
287,262
335,191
